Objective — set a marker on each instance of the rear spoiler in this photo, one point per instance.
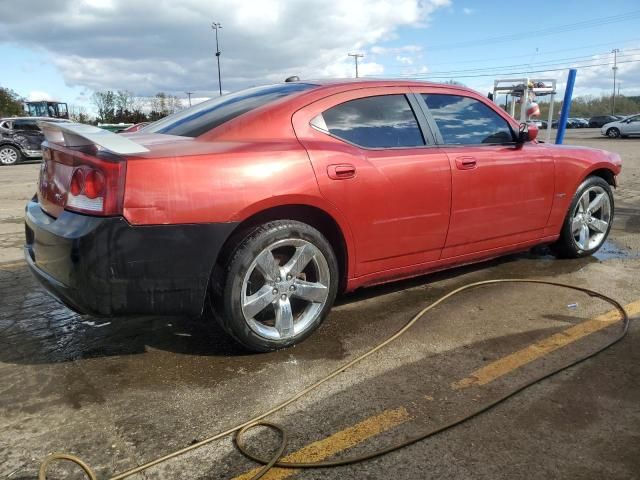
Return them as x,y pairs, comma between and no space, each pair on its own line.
71,134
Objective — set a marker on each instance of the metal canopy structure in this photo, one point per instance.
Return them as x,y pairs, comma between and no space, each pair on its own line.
521,88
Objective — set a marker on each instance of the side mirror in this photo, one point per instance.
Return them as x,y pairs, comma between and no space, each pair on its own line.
528,132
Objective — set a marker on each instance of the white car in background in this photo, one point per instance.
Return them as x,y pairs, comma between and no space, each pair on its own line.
622,128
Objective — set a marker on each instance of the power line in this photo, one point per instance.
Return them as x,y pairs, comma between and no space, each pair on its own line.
596,22
526,71
486,59
560,61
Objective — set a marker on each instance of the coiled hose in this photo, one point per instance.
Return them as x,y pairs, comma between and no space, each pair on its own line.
240,430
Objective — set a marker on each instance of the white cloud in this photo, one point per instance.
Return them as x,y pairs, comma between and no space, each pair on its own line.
36,96
467,11
145,48
404,60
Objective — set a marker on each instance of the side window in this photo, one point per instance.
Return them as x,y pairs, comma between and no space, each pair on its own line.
635,119
384,121
466,121
26,125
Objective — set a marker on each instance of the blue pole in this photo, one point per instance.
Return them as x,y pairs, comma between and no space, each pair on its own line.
566,106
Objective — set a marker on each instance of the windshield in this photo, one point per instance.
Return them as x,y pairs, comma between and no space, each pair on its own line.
205,116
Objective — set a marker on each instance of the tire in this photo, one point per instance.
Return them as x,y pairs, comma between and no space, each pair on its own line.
9,155
588,221
613,132
262,307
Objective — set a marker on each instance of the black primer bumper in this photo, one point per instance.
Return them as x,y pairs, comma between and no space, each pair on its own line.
105,266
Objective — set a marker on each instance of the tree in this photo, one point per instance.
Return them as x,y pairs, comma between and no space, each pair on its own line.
163,105
79,114
105,103
10,103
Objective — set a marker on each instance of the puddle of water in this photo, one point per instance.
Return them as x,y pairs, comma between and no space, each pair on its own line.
611,251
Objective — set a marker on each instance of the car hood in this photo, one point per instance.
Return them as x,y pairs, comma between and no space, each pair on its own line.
611,124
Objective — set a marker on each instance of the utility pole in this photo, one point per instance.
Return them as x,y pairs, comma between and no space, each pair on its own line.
356,56
216,26
189,95
615,67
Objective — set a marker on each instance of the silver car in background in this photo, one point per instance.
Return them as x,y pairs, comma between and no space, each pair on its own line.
622,128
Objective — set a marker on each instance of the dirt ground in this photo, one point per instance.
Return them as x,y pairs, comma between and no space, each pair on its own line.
122,392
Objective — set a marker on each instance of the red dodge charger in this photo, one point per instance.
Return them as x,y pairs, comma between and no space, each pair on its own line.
256,208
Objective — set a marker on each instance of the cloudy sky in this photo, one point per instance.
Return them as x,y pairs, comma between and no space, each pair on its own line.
66,49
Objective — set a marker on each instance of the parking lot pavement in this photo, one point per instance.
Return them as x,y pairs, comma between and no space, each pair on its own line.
123,392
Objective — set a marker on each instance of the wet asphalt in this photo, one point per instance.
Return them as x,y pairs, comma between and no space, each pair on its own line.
122,392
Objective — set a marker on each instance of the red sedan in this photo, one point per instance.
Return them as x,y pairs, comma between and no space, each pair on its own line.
258,207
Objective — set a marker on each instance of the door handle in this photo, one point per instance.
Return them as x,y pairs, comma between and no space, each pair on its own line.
341,171
466,163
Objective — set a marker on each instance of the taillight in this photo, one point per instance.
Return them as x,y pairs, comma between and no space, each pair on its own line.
77,182
94,184
97,189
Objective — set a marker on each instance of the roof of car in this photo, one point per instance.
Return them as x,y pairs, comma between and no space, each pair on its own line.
50,119
370,82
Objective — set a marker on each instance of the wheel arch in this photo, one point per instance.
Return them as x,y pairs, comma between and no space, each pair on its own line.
605,173
318,218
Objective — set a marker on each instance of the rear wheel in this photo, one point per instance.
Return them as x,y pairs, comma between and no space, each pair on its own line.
588,221
278,286
9,155
613,132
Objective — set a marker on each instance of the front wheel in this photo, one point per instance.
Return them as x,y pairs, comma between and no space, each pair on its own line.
588,221
278,286
613,133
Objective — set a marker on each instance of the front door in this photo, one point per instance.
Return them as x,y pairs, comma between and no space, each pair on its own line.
502,191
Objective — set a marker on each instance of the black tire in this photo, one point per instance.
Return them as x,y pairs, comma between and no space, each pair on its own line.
7,151
566,246
613,132
228,283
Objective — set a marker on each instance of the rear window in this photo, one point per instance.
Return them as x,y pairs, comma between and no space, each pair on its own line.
208,115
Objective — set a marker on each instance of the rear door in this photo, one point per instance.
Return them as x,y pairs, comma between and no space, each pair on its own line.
28,134
373,163
502,192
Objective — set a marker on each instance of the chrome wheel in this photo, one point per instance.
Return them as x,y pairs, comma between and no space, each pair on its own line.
591,218
8,155
613,133
285,289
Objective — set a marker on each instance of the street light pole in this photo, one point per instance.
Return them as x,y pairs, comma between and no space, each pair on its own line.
615,67
355,57
216,26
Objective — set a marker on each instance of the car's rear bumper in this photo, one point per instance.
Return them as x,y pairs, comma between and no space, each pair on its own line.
32,154
105,266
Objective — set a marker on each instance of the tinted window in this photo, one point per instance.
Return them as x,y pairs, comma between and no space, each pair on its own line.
465,121
375,122
29,125
205,116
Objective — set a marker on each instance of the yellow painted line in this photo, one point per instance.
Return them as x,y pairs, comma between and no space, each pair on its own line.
537,350
389,419
347,438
